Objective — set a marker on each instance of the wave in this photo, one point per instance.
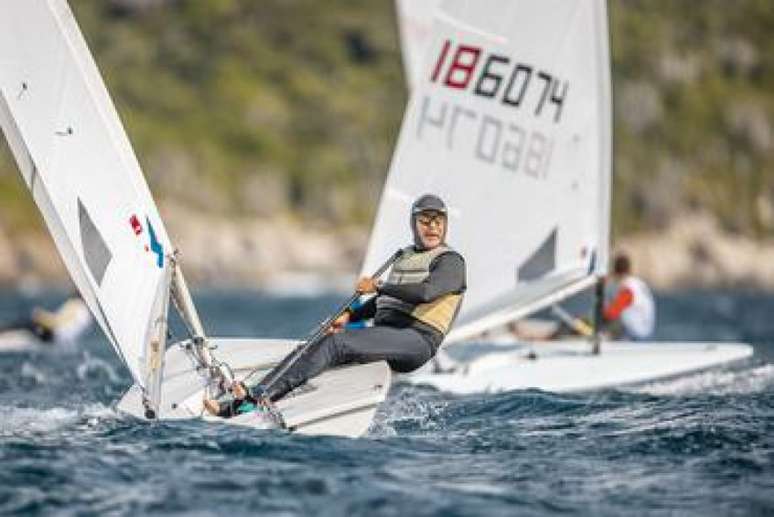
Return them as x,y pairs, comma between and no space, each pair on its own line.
30,420
753,379
31,372
408,409
93,367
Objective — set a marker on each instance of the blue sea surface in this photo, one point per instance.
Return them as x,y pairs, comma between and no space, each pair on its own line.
701,444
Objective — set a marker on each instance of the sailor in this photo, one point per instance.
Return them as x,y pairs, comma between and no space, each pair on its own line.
64,325
631,314
412,312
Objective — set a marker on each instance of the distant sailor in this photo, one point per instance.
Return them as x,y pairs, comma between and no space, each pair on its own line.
412,312
64,325
631,314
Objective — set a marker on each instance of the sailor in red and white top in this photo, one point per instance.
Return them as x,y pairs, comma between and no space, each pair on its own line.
631,314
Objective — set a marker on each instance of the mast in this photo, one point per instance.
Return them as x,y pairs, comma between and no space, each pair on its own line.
155,347
599,319
185,305
605,152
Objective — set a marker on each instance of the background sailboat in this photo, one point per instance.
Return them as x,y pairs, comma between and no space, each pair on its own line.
76,159
510,122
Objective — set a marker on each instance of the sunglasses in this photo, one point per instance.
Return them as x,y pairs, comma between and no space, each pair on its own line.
427,219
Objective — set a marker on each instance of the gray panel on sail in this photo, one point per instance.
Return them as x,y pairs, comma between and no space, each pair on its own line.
95,250
540,262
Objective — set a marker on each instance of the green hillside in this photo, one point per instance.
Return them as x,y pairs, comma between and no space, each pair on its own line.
694,111
292,106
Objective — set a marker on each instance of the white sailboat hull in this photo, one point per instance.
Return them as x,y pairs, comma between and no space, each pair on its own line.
340,402
569,366
19,341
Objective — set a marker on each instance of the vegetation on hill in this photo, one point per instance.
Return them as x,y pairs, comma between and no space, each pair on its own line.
694,112
293,106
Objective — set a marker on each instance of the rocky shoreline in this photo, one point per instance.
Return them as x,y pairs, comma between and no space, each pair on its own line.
284,255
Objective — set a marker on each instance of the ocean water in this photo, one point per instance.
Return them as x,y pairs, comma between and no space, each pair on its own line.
698,445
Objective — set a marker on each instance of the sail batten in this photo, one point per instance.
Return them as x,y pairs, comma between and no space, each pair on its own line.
509,122
76,159
415,23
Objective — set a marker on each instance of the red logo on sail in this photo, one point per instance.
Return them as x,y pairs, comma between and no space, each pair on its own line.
136,226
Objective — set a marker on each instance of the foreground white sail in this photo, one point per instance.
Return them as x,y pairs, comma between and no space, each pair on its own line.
77,161
510,123
84,177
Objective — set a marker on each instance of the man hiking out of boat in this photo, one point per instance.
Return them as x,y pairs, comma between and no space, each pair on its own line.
64,325
631,314
412,312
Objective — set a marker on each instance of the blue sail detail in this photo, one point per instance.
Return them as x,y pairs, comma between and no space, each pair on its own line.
155,246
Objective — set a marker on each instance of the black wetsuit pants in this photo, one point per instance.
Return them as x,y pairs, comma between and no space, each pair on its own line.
404,349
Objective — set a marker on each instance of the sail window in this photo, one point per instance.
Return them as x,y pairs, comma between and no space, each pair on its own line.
542,261
95,251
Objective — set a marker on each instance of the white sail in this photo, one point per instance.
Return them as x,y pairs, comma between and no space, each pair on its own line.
510,125
76,160
415,23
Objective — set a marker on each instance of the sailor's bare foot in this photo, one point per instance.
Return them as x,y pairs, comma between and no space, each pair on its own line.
211,406
238,390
